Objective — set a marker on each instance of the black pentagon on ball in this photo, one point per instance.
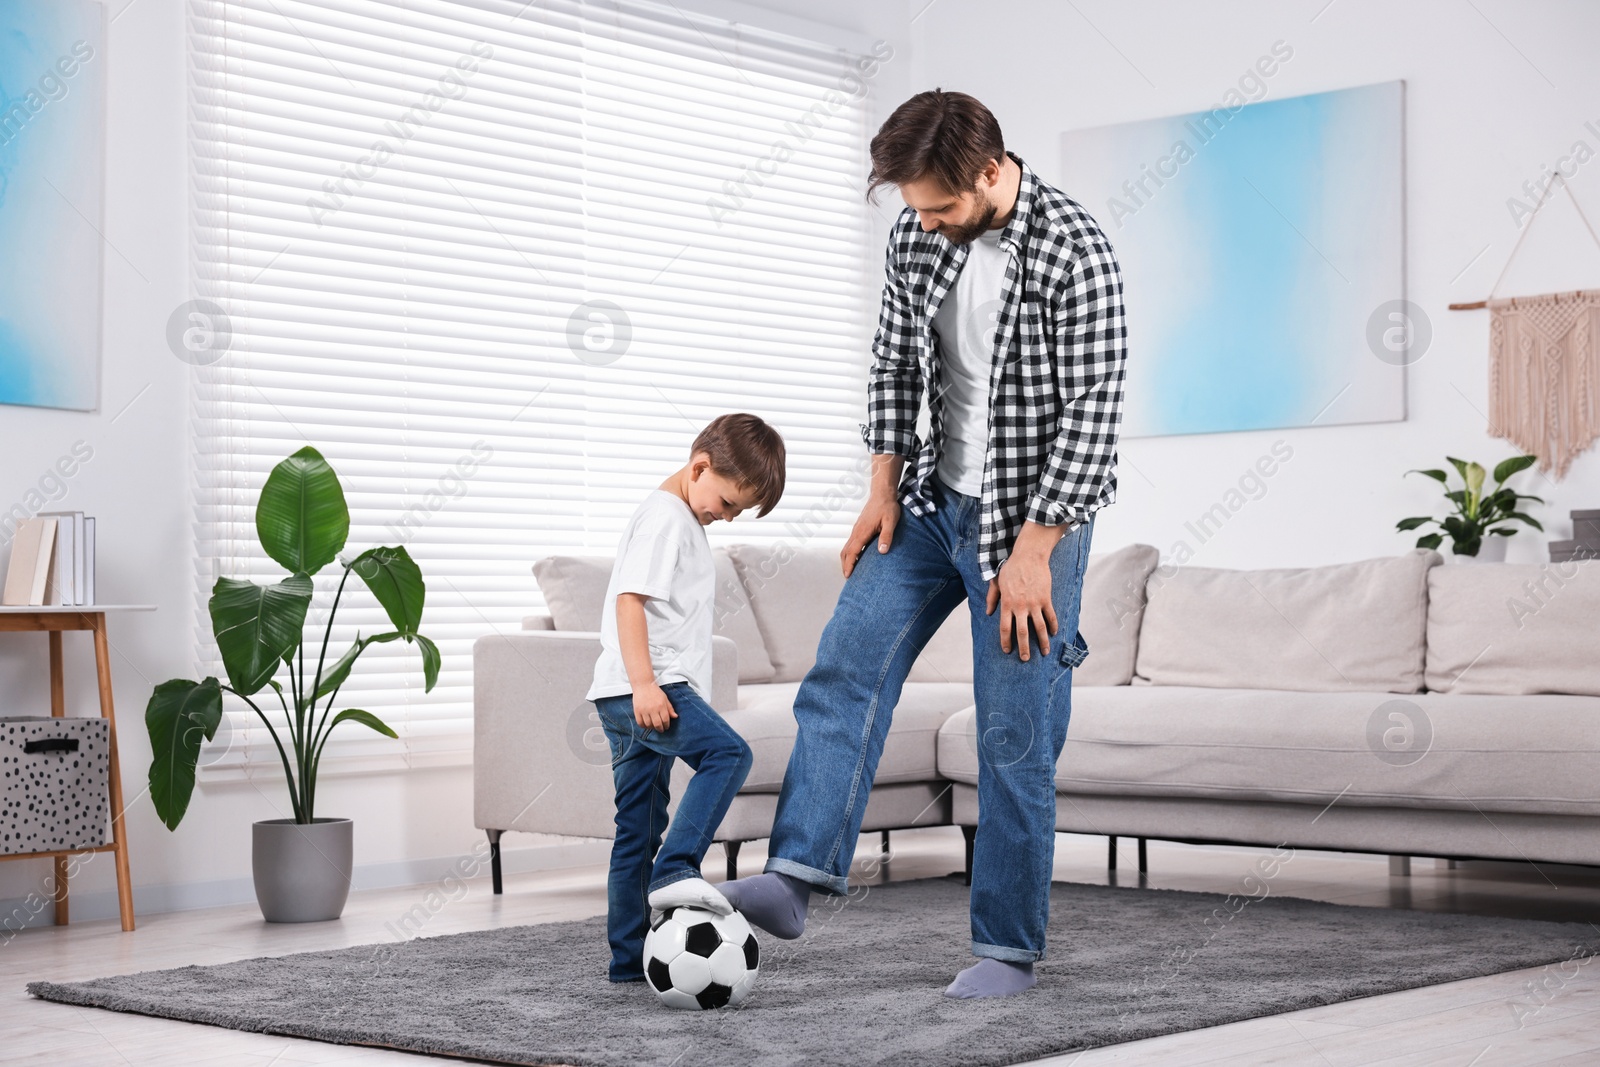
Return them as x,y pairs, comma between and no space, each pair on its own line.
752,953
714,996
703,939
659,976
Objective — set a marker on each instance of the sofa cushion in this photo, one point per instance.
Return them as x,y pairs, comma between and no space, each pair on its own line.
765,720
1348,627
1428,750
1111,613
793,592
1514,628
574,589
947,657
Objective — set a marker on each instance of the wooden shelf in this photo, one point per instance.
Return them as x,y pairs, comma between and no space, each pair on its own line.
53,619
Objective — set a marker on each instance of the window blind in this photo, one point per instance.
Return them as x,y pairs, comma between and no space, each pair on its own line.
499,262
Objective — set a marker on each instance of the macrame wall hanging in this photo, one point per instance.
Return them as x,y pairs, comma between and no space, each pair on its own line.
1544,370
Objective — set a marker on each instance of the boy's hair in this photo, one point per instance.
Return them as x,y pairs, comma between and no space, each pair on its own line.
747,451
949,137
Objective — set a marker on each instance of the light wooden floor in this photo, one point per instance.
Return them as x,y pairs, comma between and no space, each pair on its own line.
1472,1023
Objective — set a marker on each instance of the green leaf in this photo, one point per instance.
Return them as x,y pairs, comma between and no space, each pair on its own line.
365,718
1461,467
430,663
256,626
396,581
1432,540
340,670
179,716
302,518
1529,519
1504,531
1412,524
1529,496
1435,474
336,675
1507,467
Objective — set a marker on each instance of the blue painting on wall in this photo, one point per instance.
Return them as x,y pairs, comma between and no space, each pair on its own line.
1262,252
52,165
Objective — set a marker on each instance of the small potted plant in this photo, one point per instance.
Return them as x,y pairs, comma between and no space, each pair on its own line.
301,865
1477,514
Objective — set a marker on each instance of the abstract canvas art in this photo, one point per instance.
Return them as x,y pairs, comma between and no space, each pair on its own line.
52,166
1262,255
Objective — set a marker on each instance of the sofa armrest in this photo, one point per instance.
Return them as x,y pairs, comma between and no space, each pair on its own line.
540,758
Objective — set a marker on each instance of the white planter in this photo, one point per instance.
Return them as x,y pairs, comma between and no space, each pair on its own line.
1492,550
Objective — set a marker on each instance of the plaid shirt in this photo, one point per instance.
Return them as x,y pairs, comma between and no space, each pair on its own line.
1055,394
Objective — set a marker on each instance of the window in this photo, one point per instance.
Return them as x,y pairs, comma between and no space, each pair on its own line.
500,262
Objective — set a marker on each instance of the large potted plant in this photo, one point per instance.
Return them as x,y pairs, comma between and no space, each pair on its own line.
301,865
1477,514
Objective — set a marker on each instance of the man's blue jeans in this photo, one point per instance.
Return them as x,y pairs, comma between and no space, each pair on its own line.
890,606
641,765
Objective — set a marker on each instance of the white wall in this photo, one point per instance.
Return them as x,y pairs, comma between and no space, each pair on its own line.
1481,120
1490,100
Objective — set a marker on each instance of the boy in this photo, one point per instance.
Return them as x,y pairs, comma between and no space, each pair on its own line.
653,680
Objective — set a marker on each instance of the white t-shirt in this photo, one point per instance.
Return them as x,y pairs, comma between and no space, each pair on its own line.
664,554
966,322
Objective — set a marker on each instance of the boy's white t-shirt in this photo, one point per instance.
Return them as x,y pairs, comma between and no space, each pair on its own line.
664,554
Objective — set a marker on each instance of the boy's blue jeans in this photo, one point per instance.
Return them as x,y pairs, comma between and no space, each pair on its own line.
890,606
641,765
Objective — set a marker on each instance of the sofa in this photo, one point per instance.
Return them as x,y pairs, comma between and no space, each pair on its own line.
1399,705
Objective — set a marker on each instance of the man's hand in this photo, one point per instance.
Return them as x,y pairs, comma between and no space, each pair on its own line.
1022,590
881,513
651,707
879,516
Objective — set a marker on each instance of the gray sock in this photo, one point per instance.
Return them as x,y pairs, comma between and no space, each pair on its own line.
992,978
773,901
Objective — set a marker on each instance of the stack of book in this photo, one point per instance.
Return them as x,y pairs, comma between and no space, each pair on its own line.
1585,543
52,561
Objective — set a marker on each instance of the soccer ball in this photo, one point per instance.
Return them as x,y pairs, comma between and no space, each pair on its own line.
697,959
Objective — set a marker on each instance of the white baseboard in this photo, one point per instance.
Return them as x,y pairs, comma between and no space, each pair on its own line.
18,913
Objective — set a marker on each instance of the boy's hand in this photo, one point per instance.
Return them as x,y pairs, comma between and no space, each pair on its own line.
652,709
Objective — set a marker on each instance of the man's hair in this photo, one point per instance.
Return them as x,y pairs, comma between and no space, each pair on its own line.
949,137
747,451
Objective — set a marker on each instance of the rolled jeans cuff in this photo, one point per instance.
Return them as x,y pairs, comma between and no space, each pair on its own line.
818,879
661,883
1009,955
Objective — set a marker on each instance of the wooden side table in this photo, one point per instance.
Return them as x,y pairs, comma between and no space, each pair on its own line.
53,619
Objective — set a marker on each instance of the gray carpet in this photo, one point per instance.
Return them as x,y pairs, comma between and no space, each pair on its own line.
863,986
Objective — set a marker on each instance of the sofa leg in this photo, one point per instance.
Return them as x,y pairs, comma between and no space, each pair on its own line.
1111,855
886,846
1144,866
970,833
732,850
494,861
1400,866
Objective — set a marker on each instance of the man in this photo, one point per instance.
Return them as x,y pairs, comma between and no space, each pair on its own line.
997,508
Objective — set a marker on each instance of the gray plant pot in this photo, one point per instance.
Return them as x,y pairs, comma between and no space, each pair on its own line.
302,873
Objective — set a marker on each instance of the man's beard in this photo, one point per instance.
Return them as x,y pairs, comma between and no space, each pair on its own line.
969,233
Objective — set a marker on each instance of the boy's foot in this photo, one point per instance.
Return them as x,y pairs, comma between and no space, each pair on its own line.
992,978
773,901
691,893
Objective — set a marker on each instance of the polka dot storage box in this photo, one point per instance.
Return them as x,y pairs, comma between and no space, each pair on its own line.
54,776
